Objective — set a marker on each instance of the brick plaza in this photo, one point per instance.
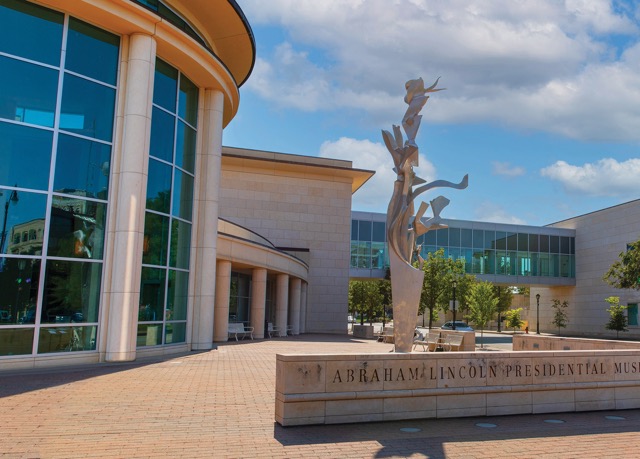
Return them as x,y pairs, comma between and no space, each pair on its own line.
220,404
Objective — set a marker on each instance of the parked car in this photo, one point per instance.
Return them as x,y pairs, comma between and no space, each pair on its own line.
460,325
5,316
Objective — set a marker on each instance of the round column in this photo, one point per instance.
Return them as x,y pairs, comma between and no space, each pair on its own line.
303,307
258,301
282,302
221,307
294,303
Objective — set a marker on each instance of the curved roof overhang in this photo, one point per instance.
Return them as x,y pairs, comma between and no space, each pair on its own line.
221,24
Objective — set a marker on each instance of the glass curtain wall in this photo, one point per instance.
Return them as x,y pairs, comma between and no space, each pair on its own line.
162,317
57,108
240,298
368,245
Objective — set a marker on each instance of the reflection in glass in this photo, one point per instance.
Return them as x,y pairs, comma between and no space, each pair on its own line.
67,339
180,244
165,85
177,296
32,95
82,165
149,335
19,280
175,333
19,20
188,101
152,295
24,214
156,238
186,147
182,195
16,341
87,108
77,228
71,292
20,142
92,52
162,130
159,186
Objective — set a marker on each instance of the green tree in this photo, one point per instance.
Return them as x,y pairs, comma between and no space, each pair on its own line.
436,287
387,300
618,319
514,318
482,306
560,315
365,298
505,298
625,272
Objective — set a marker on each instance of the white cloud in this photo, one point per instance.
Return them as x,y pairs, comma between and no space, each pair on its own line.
375,194
492,212
506,169
549,62
606,177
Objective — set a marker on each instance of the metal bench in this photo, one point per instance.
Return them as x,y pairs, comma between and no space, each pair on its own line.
236,329
454,342
430,344
273,330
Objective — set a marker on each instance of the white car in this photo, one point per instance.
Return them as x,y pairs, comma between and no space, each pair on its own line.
460,326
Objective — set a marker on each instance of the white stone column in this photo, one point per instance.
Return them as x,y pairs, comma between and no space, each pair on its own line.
130,165
282,302
294,303
303,307
258,301
205,247
221,308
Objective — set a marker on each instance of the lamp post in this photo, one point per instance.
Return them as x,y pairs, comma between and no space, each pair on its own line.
13,198
454,284
538,314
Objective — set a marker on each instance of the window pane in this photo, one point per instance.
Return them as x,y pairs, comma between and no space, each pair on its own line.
379,234
186,147
430,238
533,243
149,335
159,186
16,341
19,20
92,52
77,228
71,292
16,144
512,241
67,339
544,243
565,246
454,237
442,236
156,239
26,212
354,230
501,240
489,239
32,94
180,244
87,108
19,280
177,296
165,86
182,195
478,239
466,238
82,165
378,255
364,230
523,242
175,333
151,294
162,130
188,101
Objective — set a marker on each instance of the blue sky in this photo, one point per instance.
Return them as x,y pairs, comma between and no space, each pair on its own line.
542,106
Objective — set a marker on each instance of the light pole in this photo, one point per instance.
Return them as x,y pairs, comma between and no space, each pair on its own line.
538,314
454,284
13,198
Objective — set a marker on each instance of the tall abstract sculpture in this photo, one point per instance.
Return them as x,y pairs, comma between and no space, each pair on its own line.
402,228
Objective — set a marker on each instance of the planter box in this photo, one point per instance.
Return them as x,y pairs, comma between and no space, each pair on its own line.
363,331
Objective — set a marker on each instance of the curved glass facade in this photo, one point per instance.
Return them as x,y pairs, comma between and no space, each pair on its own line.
162,318
483,251
57,111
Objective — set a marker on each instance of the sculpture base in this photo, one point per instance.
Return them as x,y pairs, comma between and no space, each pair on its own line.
406,287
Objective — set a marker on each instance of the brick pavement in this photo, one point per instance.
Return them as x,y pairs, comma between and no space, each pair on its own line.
220,404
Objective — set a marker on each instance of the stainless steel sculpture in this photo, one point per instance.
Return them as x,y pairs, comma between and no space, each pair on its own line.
402,228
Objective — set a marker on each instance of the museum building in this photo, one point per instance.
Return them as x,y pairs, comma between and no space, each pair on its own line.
127,229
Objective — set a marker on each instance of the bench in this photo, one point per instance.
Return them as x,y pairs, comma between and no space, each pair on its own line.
273,330
236,329
430,344
454,341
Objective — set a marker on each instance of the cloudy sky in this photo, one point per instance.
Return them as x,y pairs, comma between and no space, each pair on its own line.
541,108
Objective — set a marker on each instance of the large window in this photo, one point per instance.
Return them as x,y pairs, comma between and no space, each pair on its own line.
57,112
162,317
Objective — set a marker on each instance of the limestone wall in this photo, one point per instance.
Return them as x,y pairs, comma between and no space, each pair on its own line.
555,343
329,389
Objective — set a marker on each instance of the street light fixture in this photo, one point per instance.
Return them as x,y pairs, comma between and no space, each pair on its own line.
538,314
13,198
454,284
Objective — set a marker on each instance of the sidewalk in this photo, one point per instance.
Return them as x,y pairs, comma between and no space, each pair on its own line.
220,404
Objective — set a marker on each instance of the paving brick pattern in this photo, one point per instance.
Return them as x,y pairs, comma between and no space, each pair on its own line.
220,404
